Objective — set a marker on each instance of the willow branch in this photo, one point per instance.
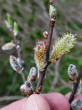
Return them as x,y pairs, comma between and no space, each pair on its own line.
75,86
18,49
48,42
41,78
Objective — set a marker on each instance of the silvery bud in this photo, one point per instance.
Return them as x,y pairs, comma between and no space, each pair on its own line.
8,46
72,72
26,88
15,65
22,88
32,74
32,71
45,34
76,104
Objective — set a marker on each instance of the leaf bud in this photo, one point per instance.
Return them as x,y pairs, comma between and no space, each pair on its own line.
8,46
15,65
72,72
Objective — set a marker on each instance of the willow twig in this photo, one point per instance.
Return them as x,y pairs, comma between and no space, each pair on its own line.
18,49
48,42
75,86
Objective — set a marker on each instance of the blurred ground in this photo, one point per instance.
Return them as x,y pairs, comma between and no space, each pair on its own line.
32,17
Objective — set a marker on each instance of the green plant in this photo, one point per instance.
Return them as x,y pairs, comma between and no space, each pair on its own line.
43,56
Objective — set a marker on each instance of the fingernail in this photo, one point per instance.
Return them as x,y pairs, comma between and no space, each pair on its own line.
36,102
30,104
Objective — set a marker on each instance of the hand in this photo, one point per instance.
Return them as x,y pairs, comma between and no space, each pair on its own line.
50,101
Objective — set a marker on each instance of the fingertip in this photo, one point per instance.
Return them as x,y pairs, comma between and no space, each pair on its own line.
36,102
15,105
57,101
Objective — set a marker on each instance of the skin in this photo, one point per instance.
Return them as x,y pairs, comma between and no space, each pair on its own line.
50,101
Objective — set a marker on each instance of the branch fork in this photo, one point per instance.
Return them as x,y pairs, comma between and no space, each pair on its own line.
43,57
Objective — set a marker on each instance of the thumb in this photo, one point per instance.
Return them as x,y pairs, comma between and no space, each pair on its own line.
36,102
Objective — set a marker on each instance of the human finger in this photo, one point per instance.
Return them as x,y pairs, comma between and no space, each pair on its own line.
57,101
36,102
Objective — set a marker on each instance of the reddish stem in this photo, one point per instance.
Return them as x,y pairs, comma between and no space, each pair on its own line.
18,49
48,42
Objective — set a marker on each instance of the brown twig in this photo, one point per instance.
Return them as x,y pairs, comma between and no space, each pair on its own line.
48,42
41,78
18,49
75,86
7,98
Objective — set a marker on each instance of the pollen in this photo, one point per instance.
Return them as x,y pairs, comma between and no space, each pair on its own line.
62,46
40,54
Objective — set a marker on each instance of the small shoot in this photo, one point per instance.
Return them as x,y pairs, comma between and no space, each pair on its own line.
15,29
8,22
8,46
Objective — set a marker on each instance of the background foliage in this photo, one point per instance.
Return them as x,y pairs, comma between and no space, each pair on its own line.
33,20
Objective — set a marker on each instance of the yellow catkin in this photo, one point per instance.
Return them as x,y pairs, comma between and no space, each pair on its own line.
40,54
62,46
